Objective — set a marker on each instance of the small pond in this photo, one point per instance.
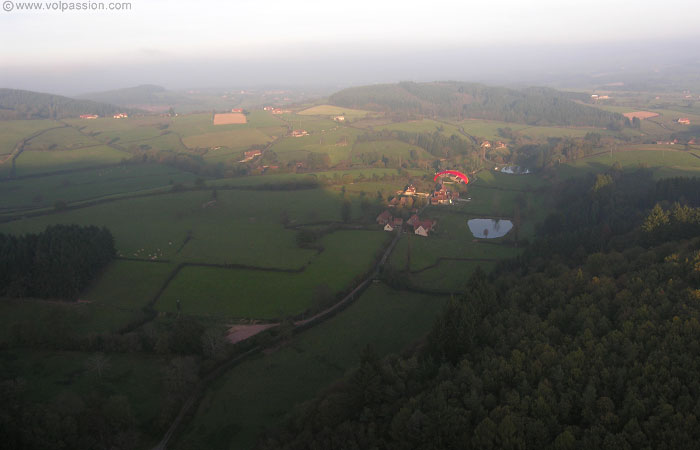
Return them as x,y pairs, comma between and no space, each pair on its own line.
515,170
489,228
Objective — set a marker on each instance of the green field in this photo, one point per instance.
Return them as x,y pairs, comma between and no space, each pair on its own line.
664,161
65,138
336,142
391,148
56,378
267,295
236,139
44,321
449,275
240,227
330,110
422,126
32,162
13,131
89,184
258,393
129,285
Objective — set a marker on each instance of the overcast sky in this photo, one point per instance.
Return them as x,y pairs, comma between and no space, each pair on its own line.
263,33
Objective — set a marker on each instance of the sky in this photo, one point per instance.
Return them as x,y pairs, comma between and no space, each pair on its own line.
181,43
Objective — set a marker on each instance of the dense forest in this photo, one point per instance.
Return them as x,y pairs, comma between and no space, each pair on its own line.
17,104
533,106
587,341
56,263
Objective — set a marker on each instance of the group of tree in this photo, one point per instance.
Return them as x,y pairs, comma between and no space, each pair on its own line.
590,347
533,106
58,262
18,104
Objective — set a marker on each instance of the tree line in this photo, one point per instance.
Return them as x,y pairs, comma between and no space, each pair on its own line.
58,262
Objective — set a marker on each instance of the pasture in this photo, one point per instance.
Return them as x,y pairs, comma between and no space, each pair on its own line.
14,131
31,193
34,162
239,227
241,293
330,110
258,393
59,377
662,160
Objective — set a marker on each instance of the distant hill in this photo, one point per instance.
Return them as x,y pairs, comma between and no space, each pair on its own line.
146,94
19,104
533,106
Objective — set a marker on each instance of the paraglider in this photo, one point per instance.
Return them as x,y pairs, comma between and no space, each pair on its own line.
452,172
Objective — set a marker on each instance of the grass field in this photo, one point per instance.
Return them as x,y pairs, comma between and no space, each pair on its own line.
237,139
492,178
330,110
241,227
49,321
663,161
123,131
65,138
32,162
422,126
258,393
13,131
337,143
55,377
128,285
45,191
426,251
391,148
266,295
449,275
196,124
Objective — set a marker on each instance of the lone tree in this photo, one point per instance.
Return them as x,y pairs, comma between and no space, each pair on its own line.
98,363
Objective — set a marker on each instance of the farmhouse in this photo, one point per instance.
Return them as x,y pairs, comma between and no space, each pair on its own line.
684,121
339,118
423,227
384,218
268,108
121,116
300,133
237,110
89,116
500,144
253,153
486,144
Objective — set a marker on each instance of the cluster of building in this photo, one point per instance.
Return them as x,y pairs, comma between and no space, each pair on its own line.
684,121
420,227
95,116
249,155
497,145
443,197
339,118
299,133
274,110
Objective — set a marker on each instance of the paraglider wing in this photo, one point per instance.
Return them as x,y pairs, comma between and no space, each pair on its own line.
452,172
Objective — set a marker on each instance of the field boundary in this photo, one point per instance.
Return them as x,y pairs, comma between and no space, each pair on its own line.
299,326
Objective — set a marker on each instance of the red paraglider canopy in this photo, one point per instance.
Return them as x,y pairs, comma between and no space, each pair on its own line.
452,172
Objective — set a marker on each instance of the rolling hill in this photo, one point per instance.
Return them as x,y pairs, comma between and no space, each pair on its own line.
19,104
533,106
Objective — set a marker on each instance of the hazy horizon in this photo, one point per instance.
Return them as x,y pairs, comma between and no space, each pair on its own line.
220,45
